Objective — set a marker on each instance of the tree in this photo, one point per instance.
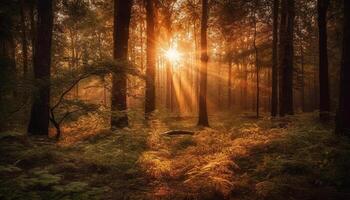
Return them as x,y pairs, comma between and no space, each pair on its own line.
286,54
274,97
322,7
39,118
32,28
202,110
122,14
24,39
257,66
303,106
343,112
63,108
229,82
150,96
7,62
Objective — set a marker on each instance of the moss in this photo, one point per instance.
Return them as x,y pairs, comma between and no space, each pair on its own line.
39,156
72,187
38,179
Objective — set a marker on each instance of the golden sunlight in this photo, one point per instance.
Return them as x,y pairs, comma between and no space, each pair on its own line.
172,55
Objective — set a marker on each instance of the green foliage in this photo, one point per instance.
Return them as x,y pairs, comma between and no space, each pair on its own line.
8,134
45,171
9,169
184,143
38,156
72,187
40,184
308,156
248,160
65,81
274,164
98,68
38,179
117,153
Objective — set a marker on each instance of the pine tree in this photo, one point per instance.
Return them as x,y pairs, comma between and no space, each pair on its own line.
286,54
274,97
39,118
122,14
322,6
343,113
150,96
203,114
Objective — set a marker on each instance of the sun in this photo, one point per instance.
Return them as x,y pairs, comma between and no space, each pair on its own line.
172,55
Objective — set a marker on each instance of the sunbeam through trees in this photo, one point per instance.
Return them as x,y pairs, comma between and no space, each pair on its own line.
175,99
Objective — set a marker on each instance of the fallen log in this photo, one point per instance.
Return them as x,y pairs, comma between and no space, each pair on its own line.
179,132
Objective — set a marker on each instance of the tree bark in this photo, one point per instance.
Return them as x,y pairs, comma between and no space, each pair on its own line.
322,6
302,63
229,84
39,119
150,96
286,58
24,40
202,112
274,97
257,67
8,68
343,112
32,29
244,98
122,14
218,79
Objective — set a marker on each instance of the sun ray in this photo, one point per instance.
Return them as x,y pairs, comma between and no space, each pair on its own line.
173,55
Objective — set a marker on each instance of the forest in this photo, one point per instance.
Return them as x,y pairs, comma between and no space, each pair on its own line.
175,99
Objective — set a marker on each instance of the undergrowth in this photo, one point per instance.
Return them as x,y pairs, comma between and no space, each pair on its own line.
239,158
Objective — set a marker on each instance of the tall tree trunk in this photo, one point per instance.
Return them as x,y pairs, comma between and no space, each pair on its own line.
32,29
245,84
274,97
141,38
268,92
286,58
322,6
343,112
150,96
218,79
8,68
303,105
24,40
257,82
122,14
169,86
39,119
202,112
196,63
281,50
257,67
229,84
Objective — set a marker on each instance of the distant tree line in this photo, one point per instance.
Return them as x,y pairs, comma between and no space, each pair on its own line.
267,56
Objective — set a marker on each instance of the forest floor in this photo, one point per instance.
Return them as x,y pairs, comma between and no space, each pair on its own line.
237,158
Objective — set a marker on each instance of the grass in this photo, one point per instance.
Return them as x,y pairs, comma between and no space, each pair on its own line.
238,158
